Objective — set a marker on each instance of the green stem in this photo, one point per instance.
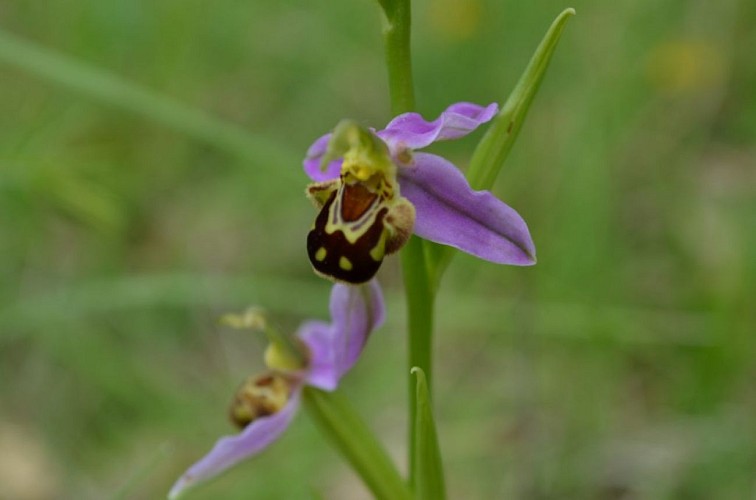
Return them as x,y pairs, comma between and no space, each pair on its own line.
356,442
417,287
396,37
417,284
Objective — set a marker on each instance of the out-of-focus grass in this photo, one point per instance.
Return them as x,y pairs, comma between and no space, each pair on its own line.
621,366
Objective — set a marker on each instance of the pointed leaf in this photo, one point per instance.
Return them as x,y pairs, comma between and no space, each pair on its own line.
494,148
429,478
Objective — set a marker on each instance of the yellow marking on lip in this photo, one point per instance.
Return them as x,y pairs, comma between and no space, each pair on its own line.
320,255
378,251
345,263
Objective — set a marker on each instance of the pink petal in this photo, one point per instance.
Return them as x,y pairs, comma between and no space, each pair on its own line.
450,212
411,131
313,158
319,338
230,450
334,348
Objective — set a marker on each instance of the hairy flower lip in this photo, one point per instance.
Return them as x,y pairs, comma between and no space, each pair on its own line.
448,210
333,347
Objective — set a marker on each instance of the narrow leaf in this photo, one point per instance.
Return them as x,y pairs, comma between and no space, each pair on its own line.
348,432
495,145
388,6
429,479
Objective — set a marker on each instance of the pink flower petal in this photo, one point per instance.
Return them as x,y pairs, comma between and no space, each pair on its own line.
412,131
314,157
334,348
230,450
450,212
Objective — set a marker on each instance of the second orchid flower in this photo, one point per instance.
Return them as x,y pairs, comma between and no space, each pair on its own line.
265,405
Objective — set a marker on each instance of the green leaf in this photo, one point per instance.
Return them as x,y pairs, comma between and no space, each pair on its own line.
348,432
429,479
494,147
388,6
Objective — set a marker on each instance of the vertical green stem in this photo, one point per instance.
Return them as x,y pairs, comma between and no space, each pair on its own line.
417,288
396,37
417,282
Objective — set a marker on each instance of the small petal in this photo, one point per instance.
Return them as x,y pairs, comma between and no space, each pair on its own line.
322,372
356,312
450,212
411,131
230,450
375,302
314,157
334,348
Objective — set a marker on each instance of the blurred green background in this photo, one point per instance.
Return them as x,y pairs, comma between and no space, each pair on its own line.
622,366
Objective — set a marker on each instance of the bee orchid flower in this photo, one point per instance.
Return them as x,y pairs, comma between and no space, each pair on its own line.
265,405
373,190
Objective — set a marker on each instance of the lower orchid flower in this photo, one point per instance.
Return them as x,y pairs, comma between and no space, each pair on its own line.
373,191
265,405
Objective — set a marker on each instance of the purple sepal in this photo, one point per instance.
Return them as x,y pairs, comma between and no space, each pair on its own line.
230,450
314,157
322,371
408,131
355,311
450,212
412,131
